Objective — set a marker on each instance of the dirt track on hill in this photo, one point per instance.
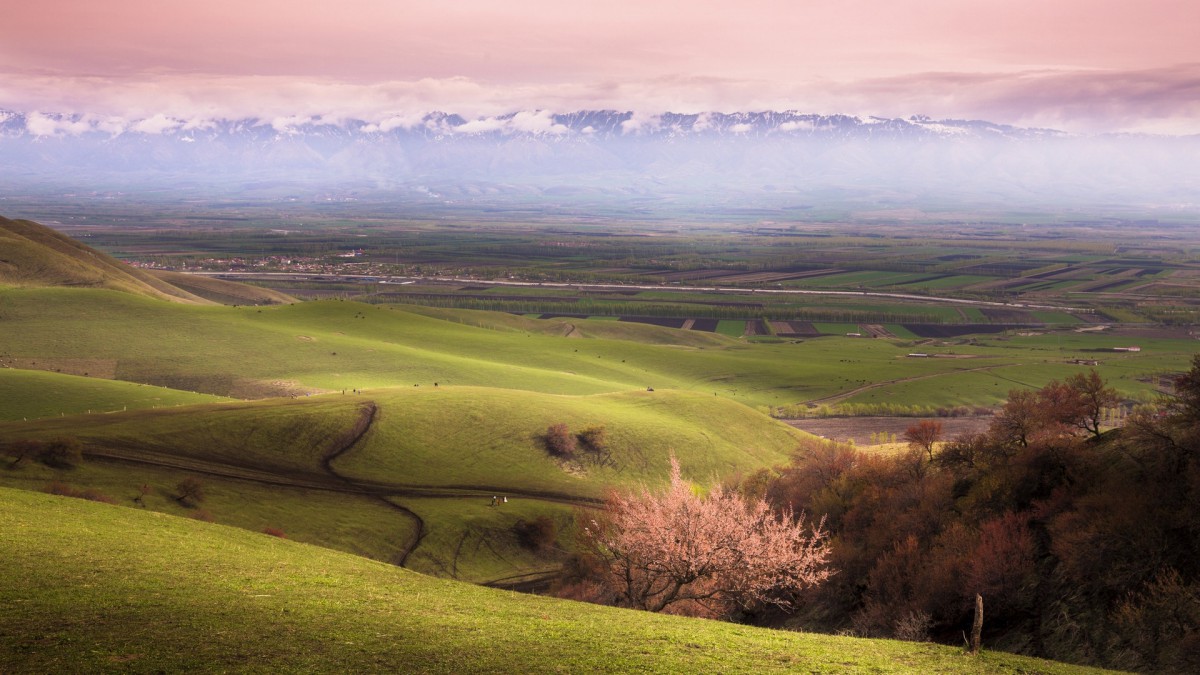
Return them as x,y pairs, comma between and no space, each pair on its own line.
343,444
328,478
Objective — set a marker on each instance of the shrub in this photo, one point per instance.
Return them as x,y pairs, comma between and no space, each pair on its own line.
90,494
61,453
559,441
537,534
22,451
191,491
274,532
594,439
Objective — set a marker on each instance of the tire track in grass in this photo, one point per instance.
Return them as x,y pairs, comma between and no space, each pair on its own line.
343,444
328,478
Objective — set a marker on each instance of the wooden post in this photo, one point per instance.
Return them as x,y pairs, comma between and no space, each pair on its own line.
977,627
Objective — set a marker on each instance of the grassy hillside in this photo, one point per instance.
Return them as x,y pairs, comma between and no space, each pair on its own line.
30,394
253,352
35,255
437,453
222,291
96,588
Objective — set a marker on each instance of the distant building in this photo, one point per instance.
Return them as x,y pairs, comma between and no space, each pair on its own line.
1134,348
918,355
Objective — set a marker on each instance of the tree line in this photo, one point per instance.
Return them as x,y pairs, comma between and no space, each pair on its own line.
1083,541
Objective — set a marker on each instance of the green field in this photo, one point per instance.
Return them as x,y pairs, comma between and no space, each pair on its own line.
731,328
94,588
331,346
261,463
29,394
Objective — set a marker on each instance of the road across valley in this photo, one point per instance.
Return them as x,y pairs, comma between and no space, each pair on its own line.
364,278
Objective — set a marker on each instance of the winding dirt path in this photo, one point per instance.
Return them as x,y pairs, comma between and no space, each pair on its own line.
328,478
345,443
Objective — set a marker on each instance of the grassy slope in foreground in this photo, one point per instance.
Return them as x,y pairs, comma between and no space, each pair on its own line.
90,587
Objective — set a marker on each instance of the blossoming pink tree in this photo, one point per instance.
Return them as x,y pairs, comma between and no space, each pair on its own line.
721,552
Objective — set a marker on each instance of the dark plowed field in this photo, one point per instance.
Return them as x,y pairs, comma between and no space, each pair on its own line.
795,329
936,330
654,321
1108,286
709,325
1007,315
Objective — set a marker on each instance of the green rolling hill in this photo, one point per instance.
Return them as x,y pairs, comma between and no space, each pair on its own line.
97,588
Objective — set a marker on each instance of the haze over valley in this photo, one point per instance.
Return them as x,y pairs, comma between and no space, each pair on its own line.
790,336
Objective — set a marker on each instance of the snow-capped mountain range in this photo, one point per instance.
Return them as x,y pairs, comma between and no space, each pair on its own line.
605,124
755,157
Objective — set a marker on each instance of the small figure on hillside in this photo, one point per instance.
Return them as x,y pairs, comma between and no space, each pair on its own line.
493,500
506,500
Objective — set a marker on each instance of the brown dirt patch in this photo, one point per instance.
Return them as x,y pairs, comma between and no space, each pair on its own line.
861,428
877,331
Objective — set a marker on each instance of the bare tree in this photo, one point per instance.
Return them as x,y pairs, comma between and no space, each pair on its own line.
190,490
721,552
923,435
1092,399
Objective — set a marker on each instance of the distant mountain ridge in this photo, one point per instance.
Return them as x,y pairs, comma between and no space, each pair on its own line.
603,124
587,160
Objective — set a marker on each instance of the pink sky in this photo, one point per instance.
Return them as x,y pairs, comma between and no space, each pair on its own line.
1086,65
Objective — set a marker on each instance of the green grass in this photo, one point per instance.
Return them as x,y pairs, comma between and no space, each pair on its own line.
837,328
490,439
900,331
432,447
93,588
953,281
330,346
732,328
30,394
340,521
259,463
1056,318
468,539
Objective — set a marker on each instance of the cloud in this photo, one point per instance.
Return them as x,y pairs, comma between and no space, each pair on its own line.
539,122
41,124
158,124
286,124
796,125
396,121
1163,100
641,122
529,122
481,126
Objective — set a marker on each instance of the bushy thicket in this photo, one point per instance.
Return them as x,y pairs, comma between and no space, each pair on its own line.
1084,543
60,453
